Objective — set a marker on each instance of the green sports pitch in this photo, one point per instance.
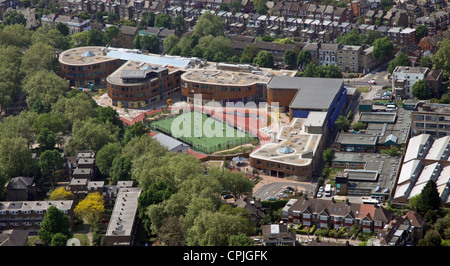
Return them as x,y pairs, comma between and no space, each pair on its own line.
202,132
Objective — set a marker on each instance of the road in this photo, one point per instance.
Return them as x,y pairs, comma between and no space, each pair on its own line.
380,75
271,186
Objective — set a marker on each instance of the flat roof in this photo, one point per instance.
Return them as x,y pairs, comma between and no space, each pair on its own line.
124,212
377,117
313,93
223,77
348,138
294,147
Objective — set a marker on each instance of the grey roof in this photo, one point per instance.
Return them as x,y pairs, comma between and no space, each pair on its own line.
313,93
168,141
20,182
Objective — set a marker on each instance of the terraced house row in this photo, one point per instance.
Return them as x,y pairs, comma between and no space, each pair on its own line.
335,214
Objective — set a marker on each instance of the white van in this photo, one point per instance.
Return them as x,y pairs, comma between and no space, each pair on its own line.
327,190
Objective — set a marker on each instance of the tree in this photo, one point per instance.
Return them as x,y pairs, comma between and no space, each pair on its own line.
260,6
426,61
290,58
328,155
105,157
109,114
135,130
209,24
383,48
351,38
236,5
240,240
421,31
148,19
13,17
391,152
38,57
94,38
169,42
110,34
178,24
342,123
162,20
137,42
121,169
401,60
432,238
304,58
59,240
16,35
49,161
91,135
150,43
51,37
44,86
216,229
249,54
61,194
46,139
441,59
429,197
237,183
77,108
420,90
54,222
264,59
358,126
91,208
79,39
62,28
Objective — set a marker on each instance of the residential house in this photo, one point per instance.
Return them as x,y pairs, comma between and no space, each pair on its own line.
437,21
128,33
14,238
254,207
75,24
336,214
28,215
5,4
21,189
407,229
277,235
403,78
30,15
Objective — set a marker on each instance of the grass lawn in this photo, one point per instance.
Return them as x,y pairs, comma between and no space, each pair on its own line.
205,134
84,239
362,89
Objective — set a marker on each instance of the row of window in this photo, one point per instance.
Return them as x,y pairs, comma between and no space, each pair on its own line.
432,118
18,224
16,212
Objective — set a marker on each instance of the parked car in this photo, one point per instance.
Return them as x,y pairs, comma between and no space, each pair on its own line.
377,97
321,189
271,198
290,188
282,195
319,194
227,196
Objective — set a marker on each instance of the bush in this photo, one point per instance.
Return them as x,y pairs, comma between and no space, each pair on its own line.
313,228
